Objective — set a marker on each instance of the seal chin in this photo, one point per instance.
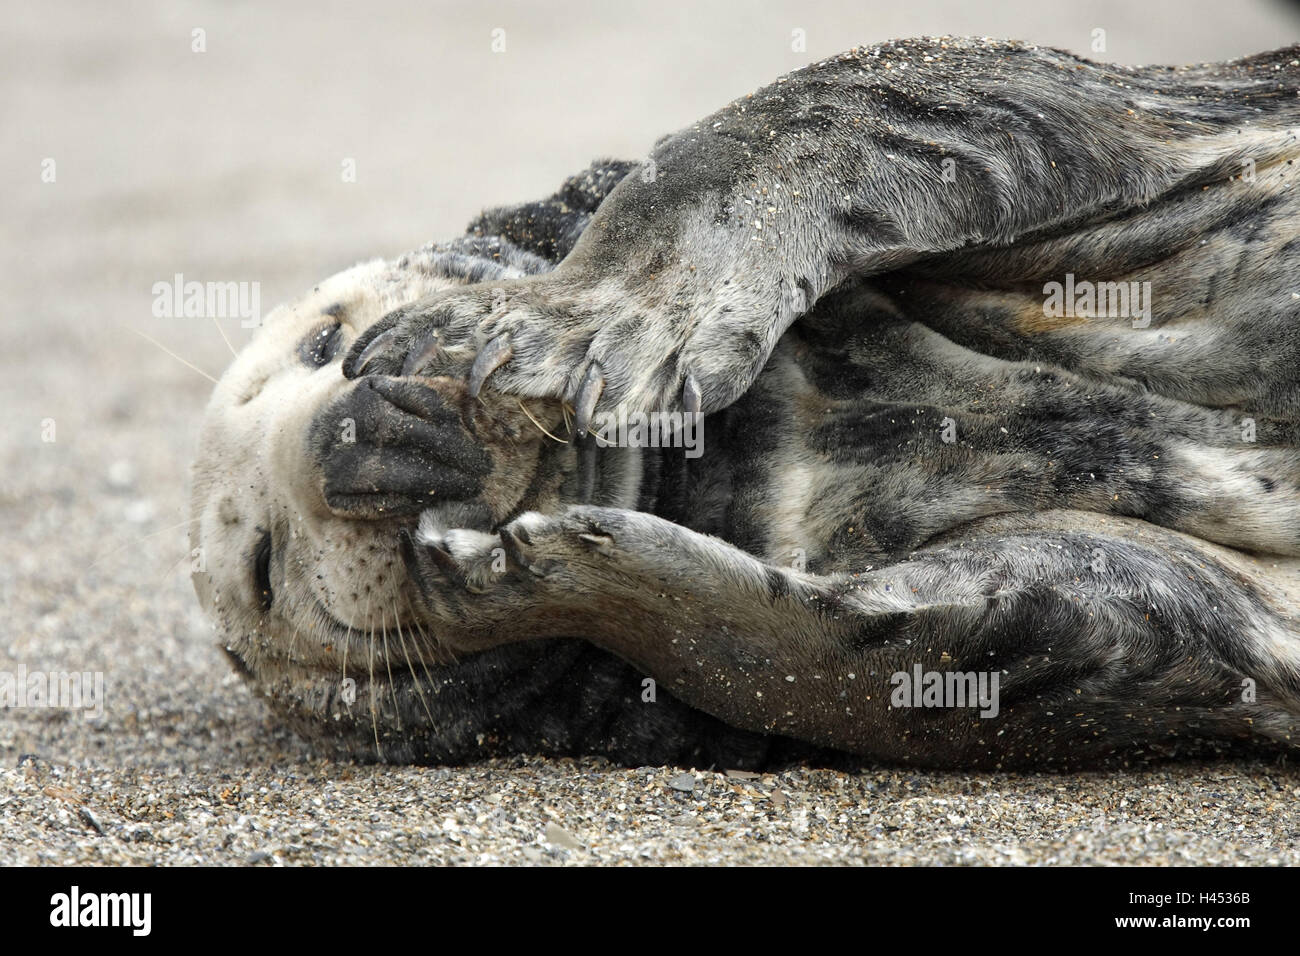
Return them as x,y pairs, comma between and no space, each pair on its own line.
325,648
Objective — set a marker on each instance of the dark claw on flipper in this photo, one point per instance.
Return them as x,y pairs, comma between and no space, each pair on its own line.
410,554
691,397
515,547
423,560
588,394
423,349
586,469
420,563
602,543
495,354
357,367
442,557
517,552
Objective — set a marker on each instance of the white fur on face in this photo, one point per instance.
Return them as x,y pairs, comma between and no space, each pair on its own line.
253,474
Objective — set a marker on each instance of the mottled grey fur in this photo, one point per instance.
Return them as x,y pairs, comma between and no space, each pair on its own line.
907,462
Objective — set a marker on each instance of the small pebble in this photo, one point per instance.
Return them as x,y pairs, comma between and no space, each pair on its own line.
556,835
684,782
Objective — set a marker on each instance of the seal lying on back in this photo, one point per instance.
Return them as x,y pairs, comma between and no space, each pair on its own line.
990,359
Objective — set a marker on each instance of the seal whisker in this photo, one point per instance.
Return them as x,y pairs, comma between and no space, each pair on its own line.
369,688
431,641
347,643
388,666
130,544
319,628
189,365
222,332
293,640
171,567
374,719
540,426
419,688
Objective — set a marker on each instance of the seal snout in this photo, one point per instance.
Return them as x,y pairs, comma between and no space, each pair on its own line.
389,447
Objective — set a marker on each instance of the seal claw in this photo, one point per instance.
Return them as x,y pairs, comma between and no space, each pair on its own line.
376,345
593,383
516,549
586,469
424,348
691,397
496,353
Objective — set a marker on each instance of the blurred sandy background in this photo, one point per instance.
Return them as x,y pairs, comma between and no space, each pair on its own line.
225,165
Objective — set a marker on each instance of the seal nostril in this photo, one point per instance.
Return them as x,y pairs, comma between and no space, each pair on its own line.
262,571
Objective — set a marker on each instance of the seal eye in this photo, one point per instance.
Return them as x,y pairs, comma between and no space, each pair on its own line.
262,571
321,345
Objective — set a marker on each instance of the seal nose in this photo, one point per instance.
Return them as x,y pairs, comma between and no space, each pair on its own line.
390,447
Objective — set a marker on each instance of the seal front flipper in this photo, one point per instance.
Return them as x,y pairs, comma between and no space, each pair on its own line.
862,164
1012,649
